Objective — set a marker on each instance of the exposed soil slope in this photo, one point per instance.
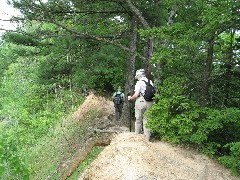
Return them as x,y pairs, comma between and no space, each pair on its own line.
131,157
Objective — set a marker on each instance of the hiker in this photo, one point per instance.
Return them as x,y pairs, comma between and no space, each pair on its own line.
118,99
141,105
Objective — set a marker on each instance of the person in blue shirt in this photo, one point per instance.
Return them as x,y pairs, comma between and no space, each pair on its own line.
118,99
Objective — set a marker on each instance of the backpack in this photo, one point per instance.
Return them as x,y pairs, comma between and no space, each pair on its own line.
118,99
149,92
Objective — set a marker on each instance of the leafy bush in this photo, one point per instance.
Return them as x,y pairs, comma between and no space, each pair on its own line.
12,165
178,119
232,161
45,159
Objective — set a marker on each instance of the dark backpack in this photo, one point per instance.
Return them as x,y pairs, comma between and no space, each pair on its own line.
118,99
149,92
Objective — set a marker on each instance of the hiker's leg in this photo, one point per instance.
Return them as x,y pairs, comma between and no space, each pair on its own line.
146,130
116,113
139,110
120,110
138,126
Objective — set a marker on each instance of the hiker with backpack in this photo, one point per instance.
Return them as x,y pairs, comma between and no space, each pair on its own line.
144,93
118,99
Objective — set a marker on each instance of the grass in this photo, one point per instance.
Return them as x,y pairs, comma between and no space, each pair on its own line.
53,150
92,156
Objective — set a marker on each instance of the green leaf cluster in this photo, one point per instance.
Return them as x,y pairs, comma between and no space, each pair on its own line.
232,161
11,163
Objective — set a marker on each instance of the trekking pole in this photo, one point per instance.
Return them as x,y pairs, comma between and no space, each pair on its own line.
130,113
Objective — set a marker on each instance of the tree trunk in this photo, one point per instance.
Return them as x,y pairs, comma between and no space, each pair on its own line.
149,44
129,86
207,74
148,56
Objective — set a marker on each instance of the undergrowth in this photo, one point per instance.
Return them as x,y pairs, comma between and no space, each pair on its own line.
92,156
53,150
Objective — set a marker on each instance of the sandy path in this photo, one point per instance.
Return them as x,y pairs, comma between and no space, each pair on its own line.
131,157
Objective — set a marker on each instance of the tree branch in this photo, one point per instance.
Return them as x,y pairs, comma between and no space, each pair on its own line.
89,12
7,20
138,14
85,35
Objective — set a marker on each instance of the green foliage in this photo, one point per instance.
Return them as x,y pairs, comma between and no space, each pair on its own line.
7,57
232,161
177,119
92,156
60,145
20,39
11,164
168,116
29,110
102,71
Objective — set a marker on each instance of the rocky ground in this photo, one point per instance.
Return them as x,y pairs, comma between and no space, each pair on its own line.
131,157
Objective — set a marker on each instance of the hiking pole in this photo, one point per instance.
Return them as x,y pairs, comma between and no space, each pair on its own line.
130,113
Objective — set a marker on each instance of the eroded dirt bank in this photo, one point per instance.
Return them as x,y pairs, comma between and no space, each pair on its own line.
131,157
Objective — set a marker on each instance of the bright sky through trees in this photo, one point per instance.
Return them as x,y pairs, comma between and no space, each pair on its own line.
6,12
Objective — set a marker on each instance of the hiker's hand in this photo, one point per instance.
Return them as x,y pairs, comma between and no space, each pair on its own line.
129,98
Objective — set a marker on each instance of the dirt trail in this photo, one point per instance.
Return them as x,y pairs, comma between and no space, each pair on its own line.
131,157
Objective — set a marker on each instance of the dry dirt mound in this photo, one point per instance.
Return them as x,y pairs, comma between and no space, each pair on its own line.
131,157
94,102
78,132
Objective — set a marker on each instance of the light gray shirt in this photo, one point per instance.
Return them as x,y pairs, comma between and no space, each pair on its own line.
140,86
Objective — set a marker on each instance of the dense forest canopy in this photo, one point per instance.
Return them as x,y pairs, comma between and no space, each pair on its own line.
64,48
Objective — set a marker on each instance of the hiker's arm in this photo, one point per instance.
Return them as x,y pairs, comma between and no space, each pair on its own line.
134,96
123,99
136,91
114,94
